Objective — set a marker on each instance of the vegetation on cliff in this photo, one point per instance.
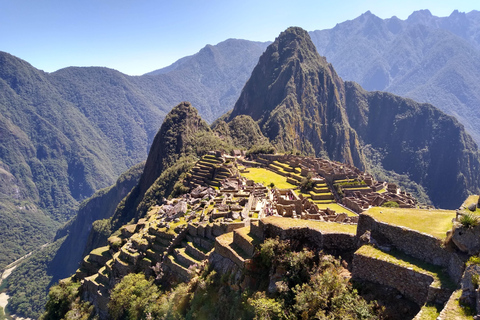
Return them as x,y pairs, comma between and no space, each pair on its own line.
310,286
29,283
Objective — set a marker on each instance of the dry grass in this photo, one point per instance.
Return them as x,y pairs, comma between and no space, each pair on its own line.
265,177
433,222
286,223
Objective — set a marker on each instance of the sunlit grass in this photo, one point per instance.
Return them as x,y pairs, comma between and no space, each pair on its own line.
266,177
286,223
454,310
432,222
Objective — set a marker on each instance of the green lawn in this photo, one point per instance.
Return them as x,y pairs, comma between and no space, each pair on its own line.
432,222
266,177
336,207
286,223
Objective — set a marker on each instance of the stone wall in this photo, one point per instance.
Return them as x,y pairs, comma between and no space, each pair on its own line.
333,241
410,283
418,245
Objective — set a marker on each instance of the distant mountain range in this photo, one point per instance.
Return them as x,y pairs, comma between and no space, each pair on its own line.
426,58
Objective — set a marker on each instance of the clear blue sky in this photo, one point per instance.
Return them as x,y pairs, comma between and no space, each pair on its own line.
138,36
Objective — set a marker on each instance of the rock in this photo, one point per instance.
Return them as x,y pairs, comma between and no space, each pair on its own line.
341,217
467,239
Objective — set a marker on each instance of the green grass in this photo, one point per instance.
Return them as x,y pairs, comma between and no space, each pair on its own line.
336,207
433,222
440,279
286,223
265,177
470,200
456,311
429,312
101,251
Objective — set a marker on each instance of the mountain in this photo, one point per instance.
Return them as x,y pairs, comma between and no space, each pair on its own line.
66,134
183,137
29,282
300,103
219,72
427,58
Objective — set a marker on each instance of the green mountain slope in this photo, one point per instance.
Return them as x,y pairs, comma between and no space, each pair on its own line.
66,134
300,103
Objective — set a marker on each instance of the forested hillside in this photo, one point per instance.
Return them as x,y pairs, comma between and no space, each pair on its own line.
69,133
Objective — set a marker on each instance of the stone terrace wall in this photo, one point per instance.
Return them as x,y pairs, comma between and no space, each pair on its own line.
320,240
419,245
413,285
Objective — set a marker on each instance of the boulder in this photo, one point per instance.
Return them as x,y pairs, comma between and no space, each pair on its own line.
467,239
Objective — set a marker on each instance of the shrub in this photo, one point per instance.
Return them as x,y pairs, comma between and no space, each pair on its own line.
469,220
390,204
266,308
307,182
473,260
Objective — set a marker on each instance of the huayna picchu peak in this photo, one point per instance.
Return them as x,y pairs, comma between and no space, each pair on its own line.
301,104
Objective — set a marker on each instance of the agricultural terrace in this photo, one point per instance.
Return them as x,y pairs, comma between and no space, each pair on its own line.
433,222
266,177
286,223
470,200
440,279
336,207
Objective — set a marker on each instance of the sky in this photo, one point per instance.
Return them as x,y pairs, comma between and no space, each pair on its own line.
139,36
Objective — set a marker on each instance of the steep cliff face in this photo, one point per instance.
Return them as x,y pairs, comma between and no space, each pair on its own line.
300,103
417,139
79,230
297,99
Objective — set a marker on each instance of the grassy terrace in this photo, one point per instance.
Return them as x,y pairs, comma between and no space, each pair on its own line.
470,200
286,223
433,222
265,177
101,251
455,311
336,207
440,279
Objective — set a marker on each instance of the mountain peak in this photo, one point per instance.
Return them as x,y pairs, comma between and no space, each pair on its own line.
295,96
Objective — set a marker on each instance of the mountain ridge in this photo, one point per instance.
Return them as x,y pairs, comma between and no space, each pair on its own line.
412,138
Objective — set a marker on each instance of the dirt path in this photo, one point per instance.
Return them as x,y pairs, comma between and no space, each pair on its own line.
3,300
